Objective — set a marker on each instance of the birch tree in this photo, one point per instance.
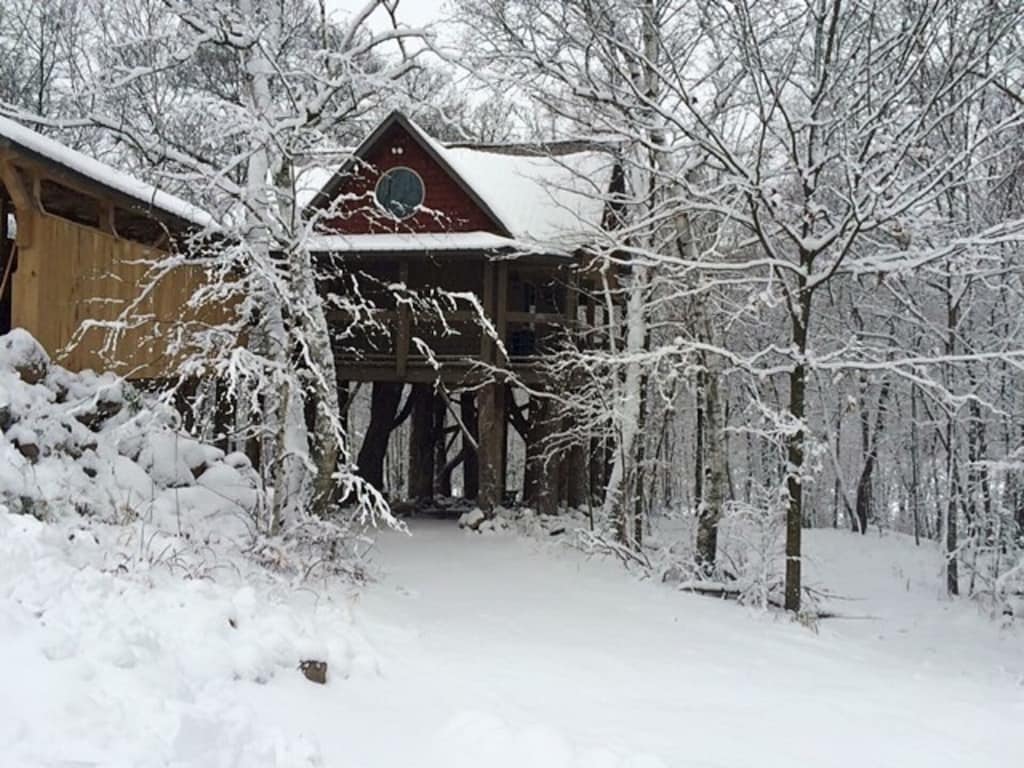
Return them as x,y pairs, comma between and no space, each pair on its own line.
223,100
814,128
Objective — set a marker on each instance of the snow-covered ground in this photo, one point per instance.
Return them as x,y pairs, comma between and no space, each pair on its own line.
496,650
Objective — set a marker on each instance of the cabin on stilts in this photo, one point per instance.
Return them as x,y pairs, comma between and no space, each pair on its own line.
492,233
76,239
466,263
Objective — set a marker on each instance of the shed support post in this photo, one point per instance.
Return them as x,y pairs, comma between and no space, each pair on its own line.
491,428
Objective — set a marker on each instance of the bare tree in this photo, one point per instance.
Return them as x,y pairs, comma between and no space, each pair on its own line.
225,99
804,137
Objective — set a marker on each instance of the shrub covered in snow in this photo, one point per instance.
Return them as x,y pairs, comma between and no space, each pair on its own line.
91,445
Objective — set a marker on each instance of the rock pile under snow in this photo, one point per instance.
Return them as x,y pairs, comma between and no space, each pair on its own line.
137,618
83,442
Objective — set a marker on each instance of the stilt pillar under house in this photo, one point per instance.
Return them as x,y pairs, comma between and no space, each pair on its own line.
491,427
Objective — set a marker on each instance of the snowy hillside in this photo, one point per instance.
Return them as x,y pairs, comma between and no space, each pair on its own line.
484,650
137,595
144,622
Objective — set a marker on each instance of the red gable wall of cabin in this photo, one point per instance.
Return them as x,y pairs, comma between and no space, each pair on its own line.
451,209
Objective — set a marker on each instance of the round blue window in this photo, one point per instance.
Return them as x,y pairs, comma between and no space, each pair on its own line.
400,192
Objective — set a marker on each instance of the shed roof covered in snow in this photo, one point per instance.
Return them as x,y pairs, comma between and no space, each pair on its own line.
25,142
549,198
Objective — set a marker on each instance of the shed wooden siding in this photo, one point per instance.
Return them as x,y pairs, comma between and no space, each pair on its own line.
68,273
450,208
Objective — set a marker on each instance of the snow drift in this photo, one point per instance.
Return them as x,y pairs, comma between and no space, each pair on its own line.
136,601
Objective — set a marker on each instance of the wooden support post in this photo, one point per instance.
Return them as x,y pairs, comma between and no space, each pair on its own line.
25,200
404,331
486,342
550,478
506,394
491,428
470,464
442,484
18,188
501,314
572,300
7,257
421,443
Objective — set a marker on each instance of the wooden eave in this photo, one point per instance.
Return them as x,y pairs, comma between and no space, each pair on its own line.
510,256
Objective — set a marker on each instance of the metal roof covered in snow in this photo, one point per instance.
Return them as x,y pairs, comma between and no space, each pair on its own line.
24,140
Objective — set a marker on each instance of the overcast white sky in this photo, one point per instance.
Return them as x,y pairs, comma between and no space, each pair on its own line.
412,12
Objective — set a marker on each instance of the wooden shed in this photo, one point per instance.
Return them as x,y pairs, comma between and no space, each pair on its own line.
76,239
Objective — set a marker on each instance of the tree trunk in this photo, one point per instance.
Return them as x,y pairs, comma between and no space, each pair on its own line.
269,337
421,443
617,507
492,424
544,464
533,462
442,479
328,431
952,568
699,433
795,447
384,400
470,464
711,504
915,474
837,488
577,476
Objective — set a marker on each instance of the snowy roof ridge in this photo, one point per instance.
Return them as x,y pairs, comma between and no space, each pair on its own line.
555,148
15,134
